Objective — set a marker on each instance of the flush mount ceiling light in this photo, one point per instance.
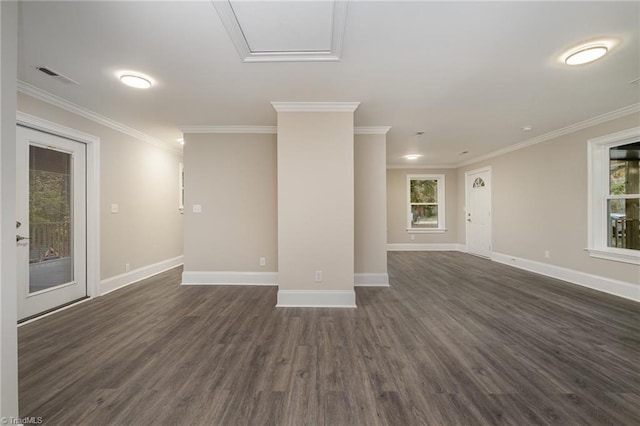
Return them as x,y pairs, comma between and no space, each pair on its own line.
135,79
412,156
587,52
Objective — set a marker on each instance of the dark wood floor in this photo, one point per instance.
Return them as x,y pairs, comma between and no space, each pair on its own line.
457,340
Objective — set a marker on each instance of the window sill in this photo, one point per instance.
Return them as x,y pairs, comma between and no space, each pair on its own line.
619,255
426,231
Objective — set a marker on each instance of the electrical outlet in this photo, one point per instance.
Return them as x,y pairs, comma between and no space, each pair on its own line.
318,276
263,261
547,255
127,267
412,237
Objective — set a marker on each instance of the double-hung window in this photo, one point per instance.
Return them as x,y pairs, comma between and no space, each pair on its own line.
425,207
614,196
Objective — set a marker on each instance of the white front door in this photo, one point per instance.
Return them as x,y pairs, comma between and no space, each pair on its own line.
51,228
478,211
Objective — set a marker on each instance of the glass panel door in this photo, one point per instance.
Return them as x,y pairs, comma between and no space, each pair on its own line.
51,229
50,213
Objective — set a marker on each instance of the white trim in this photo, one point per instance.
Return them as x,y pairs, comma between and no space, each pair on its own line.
55,311
595,282
315,106
231,24
622,112
229,278
230,129
441,202
114,283
371,130
598,190
426,247
426,230
316,299
93,189
362,130
46,126
617,255
52,99
421,166
371,280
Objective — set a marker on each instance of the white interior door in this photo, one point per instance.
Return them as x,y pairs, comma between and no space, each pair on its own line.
478,212
51,227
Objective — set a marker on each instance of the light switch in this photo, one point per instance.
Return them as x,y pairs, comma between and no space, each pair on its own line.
115,208
197,208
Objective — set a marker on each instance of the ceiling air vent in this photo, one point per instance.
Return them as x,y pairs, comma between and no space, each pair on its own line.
55,74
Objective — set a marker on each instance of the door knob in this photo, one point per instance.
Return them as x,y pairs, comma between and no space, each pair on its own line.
20,238
469,220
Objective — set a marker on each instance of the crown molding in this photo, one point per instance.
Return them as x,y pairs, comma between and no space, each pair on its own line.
371,130
232,25
622,112
421,166
59,102
315,106
230,129
364,130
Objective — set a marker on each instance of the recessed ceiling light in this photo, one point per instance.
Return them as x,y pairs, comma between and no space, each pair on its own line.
181,141
527,128
412,156
420,133
135,79
464,153
587,52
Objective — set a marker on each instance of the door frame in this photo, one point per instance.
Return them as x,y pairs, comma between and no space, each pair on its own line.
466,202
93,189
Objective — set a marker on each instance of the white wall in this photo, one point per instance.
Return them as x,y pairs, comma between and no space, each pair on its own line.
315,200
233,178
397,208
539,203
8,288
370,206
142,179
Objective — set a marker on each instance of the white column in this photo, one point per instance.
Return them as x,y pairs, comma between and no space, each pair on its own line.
316,204
371,207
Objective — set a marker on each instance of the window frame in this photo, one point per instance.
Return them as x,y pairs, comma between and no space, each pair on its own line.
598,194
181,187
439,178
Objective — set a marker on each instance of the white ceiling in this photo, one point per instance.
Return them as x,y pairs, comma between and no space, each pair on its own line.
470,75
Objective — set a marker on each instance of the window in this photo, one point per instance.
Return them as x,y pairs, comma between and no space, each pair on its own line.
614,196
181,188
425,209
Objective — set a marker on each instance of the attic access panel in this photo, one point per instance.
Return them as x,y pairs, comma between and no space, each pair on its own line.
284,30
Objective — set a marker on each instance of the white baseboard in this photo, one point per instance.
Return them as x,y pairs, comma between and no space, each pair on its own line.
266,278
229,278
316,299
595,282
113,283
426,247
371,280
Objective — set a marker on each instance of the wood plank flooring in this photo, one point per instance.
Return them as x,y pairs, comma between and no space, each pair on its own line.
456,340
